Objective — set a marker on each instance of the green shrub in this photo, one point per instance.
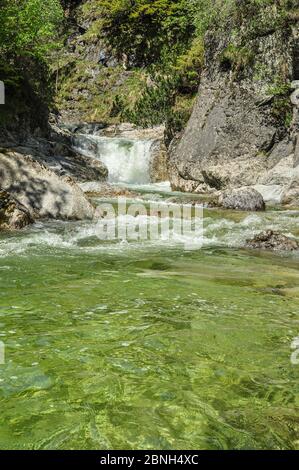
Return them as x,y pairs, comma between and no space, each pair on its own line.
282,108
158,104
29,27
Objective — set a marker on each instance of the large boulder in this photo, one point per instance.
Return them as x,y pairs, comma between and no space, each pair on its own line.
63,157
272,240
80,168
290,196
242,199
223,144
40,190
13,215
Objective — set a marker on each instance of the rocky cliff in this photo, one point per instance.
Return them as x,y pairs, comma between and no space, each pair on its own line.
244,127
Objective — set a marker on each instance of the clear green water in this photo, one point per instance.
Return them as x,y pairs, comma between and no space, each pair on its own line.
149,347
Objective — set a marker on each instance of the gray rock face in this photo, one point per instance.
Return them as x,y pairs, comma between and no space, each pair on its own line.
233,138
158,168
58,153
60,157
79,167
243,199
40,190
13,215
271,240
222,141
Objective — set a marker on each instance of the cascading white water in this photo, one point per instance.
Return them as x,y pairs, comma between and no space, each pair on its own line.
127,160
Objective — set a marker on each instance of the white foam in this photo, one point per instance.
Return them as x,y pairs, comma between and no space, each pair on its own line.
127,160
84,236
271,193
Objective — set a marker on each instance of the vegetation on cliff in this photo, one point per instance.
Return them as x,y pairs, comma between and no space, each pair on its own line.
154,53
153,61
125,60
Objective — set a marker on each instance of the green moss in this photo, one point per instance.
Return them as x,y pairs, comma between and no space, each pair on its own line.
279,88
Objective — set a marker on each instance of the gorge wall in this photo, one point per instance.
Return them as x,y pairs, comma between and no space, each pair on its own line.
244,127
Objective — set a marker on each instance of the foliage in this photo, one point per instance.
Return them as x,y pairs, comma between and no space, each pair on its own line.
211,14
260,16
29,27
188,67
28,32
142,29
161,42
171,79
156,105
160,49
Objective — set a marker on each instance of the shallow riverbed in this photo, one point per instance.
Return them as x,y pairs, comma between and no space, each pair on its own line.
147,345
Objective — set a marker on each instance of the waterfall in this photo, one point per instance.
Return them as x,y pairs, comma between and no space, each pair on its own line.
127,160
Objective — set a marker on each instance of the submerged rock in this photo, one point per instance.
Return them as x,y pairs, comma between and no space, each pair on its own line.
243,199
106,190
13,215
272,240
40,190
